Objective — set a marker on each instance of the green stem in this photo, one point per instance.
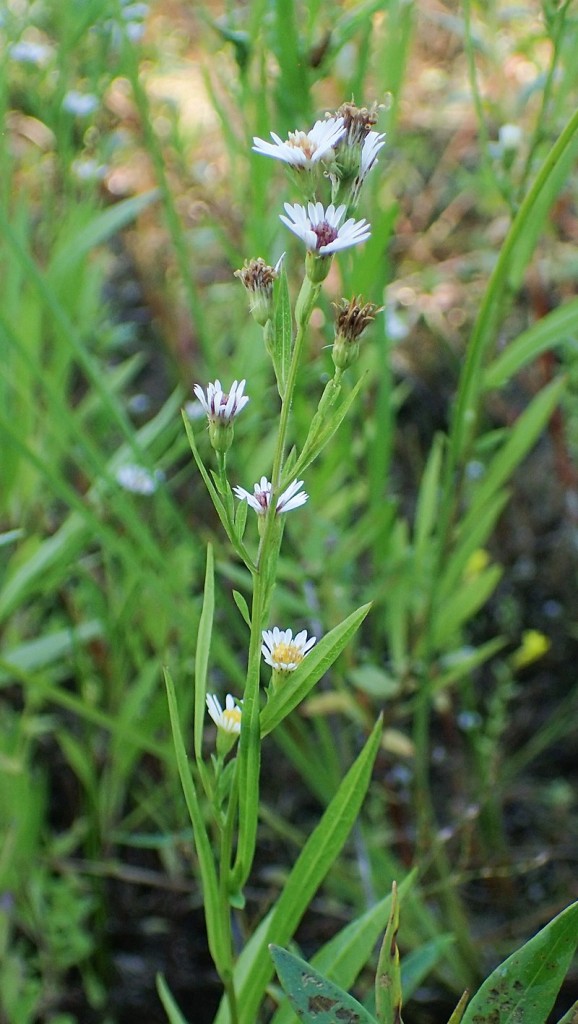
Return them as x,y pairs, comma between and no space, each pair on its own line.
249,757
303,309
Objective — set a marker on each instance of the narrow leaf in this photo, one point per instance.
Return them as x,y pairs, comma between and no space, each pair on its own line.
388,997
243,607
548,333
167,999
217,943
522,437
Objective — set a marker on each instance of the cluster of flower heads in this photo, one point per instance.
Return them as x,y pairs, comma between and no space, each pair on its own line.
342,148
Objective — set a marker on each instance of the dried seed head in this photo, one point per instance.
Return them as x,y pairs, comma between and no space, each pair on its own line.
352,318
258,278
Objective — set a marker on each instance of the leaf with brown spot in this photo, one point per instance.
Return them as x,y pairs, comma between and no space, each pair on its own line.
522,990
313,997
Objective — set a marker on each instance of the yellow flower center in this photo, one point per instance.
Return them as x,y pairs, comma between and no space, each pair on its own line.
287,654
300,141
232,716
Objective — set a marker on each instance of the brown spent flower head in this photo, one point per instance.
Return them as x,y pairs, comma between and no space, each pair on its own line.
257,277
352,319
358,121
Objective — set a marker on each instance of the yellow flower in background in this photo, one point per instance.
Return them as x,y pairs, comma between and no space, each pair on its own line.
476,563
534,645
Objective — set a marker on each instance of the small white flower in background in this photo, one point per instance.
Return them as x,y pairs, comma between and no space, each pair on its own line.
81,104
219,405
282,651
137,479
320,228
261,497
27,52
304,149
510,137
227,719
87,169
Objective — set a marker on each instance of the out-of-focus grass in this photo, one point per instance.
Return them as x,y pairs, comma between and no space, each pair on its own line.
127,144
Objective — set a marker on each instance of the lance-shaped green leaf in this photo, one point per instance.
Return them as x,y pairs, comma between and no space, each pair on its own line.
388,996
460,1009
463,604
525,986
310,671
202,653
314,998
217,941
549,332
167,999
523,435
282,332
254,970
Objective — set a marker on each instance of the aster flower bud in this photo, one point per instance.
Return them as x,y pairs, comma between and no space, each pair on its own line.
257,277
352,319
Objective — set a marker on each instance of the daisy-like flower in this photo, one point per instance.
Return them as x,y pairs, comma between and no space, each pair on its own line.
321,229
284,652
221,405
227,719
304,150
221,408
260,500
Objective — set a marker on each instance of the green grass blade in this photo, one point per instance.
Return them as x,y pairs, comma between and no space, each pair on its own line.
549,332
217,944
167,999
521,438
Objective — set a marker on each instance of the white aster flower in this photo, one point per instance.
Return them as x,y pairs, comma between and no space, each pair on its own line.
282,651
261,497
304,149
227,719
320,228
221,406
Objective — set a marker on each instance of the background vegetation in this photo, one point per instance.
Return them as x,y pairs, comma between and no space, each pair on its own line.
128,196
